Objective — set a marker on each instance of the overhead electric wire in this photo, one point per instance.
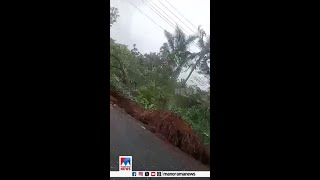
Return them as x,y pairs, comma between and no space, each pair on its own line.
159,14
169,17
185,19
181,14
196,44
146,15
176,16
166,20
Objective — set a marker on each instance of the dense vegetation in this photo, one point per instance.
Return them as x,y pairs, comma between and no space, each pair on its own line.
151,80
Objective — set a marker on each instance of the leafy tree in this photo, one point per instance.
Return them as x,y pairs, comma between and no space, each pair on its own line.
114,14
135,50
151,79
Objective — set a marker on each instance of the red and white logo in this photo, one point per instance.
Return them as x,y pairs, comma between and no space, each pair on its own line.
153,173
125,163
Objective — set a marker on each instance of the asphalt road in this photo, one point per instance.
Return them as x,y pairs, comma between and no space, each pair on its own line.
149,153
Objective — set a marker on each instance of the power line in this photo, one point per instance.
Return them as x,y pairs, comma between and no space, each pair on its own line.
166,20
154,21
182,29
158,24
194,43
169,17
181,14
145,15
176,16
159,14
180,20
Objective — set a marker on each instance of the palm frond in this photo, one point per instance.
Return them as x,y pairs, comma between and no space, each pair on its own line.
201,35
207,44
170,40
180,39
165,48
190,39
185,45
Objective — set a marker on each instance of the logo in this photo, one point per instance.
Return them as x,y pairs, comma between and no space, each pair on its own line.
134,174
153,173
125,163
146,174
186,91
140,173
158,173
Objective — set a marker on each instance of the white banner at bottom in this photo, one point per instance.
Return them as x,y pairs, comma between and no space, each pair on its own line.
159,173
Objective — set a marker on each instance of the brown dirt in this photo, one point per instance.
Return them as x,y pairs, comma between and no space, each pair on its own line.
170,126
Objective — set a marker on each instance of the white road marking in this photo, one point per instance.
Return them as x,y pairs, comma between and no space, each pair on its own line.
143,127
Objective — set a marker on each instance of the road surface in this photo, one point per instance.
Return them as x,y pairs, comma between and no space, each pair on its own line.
128,137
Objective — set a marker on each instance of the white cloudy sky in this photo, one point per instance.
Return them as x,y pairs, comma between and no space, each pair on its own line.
133,27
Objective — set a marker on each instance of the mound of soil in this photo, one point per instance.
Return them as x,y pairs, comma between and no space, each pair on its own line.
170,126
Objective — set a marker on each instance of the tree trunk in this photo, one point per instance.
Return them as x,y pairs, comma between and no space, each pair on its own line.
176,73
193,68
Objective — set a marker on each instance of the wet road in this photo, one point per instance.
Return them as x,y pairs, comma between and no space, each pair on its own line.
149,153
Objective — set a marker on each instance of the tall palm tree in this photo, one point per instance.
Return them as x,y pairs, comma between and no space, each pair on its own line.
203,56
175,50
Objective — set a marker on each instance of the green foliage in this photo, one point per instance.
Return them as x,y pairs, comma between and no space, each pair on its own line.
151,79
175,50
198,117
114,14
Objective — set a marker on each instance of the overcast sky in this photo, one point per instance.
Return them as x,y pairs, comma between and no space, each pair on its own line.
133,27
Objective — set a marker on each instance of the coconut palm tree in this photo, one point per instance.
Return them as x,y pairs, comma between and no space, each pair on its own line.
175,50
203,56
